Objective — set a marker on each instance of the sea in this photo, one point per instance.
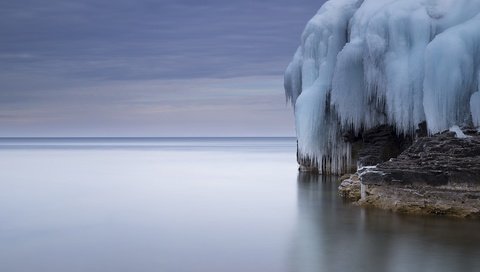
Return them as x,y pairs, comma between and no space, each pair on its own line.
202,204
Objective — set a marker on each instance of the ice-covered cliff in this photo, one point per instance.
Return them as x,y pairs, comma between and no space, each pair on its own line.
398,62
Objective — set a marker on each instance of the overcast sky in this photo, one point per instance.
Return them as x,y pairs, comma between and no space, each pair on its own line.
147,68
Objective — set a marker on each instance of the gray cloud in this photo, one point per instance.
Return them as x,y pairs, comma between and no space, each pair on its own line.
65,52
151,39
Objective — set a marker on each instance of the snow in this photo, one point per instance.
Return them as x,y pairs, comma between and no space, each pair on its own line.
398,62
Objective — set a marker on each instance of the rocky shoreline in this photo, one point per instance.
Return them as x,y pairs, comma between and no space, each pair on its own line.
437,175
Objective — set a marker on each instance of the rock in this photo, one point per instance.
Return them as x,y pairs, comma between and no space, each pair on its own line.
350,187
437,200
372,147
377,145
436,175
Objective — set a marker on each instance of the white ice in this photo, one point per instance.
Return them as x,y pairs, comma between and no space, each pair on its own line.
397,62
458,132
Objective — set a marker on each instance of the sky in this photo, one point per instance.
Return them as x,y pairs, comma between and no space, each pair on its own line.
147,68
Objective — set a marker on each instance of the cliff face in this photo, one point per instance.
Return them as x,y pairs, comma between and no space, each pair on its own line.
397,63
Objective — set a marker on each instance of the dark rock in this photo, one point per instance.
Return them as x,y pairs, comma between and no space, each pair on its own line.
377,145
438,174
421,130
438,160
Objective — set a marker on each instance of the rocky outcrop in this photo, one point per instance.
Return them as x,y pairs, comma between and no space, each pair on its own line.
350,188
436,175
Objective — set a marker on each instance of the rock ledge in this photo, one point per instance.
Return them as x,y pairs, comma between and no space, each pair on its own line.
436,175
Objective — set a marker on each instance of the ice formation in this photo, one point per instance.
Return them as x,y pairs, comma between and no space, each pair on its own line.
399,62
458,132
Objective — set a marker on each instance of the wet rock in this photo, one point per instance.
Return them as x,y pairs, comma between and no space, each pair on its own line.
436,175
350,187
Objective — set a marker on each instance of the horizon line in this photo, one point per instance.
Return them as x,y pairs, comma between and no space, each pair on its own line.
127,137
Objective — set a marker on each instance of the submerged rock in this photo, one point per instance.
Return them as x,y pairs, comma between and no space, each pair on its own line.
436,175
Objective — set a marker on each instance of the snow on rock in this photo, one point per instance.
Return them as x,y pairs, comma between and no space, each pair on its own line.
398,62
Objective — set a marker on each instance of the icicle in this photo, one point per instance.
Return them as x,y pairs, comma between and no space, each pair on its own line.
397,62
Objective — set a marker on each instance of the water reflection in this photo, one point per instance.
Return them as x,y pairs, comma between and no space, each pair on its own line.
178,205
333,235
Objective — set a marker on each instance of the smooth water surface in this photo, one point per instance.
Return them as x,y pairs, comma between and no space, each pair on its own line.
201,204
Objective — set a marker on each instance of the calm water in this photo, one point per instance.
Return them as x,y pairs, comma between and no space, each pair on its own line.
201,205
